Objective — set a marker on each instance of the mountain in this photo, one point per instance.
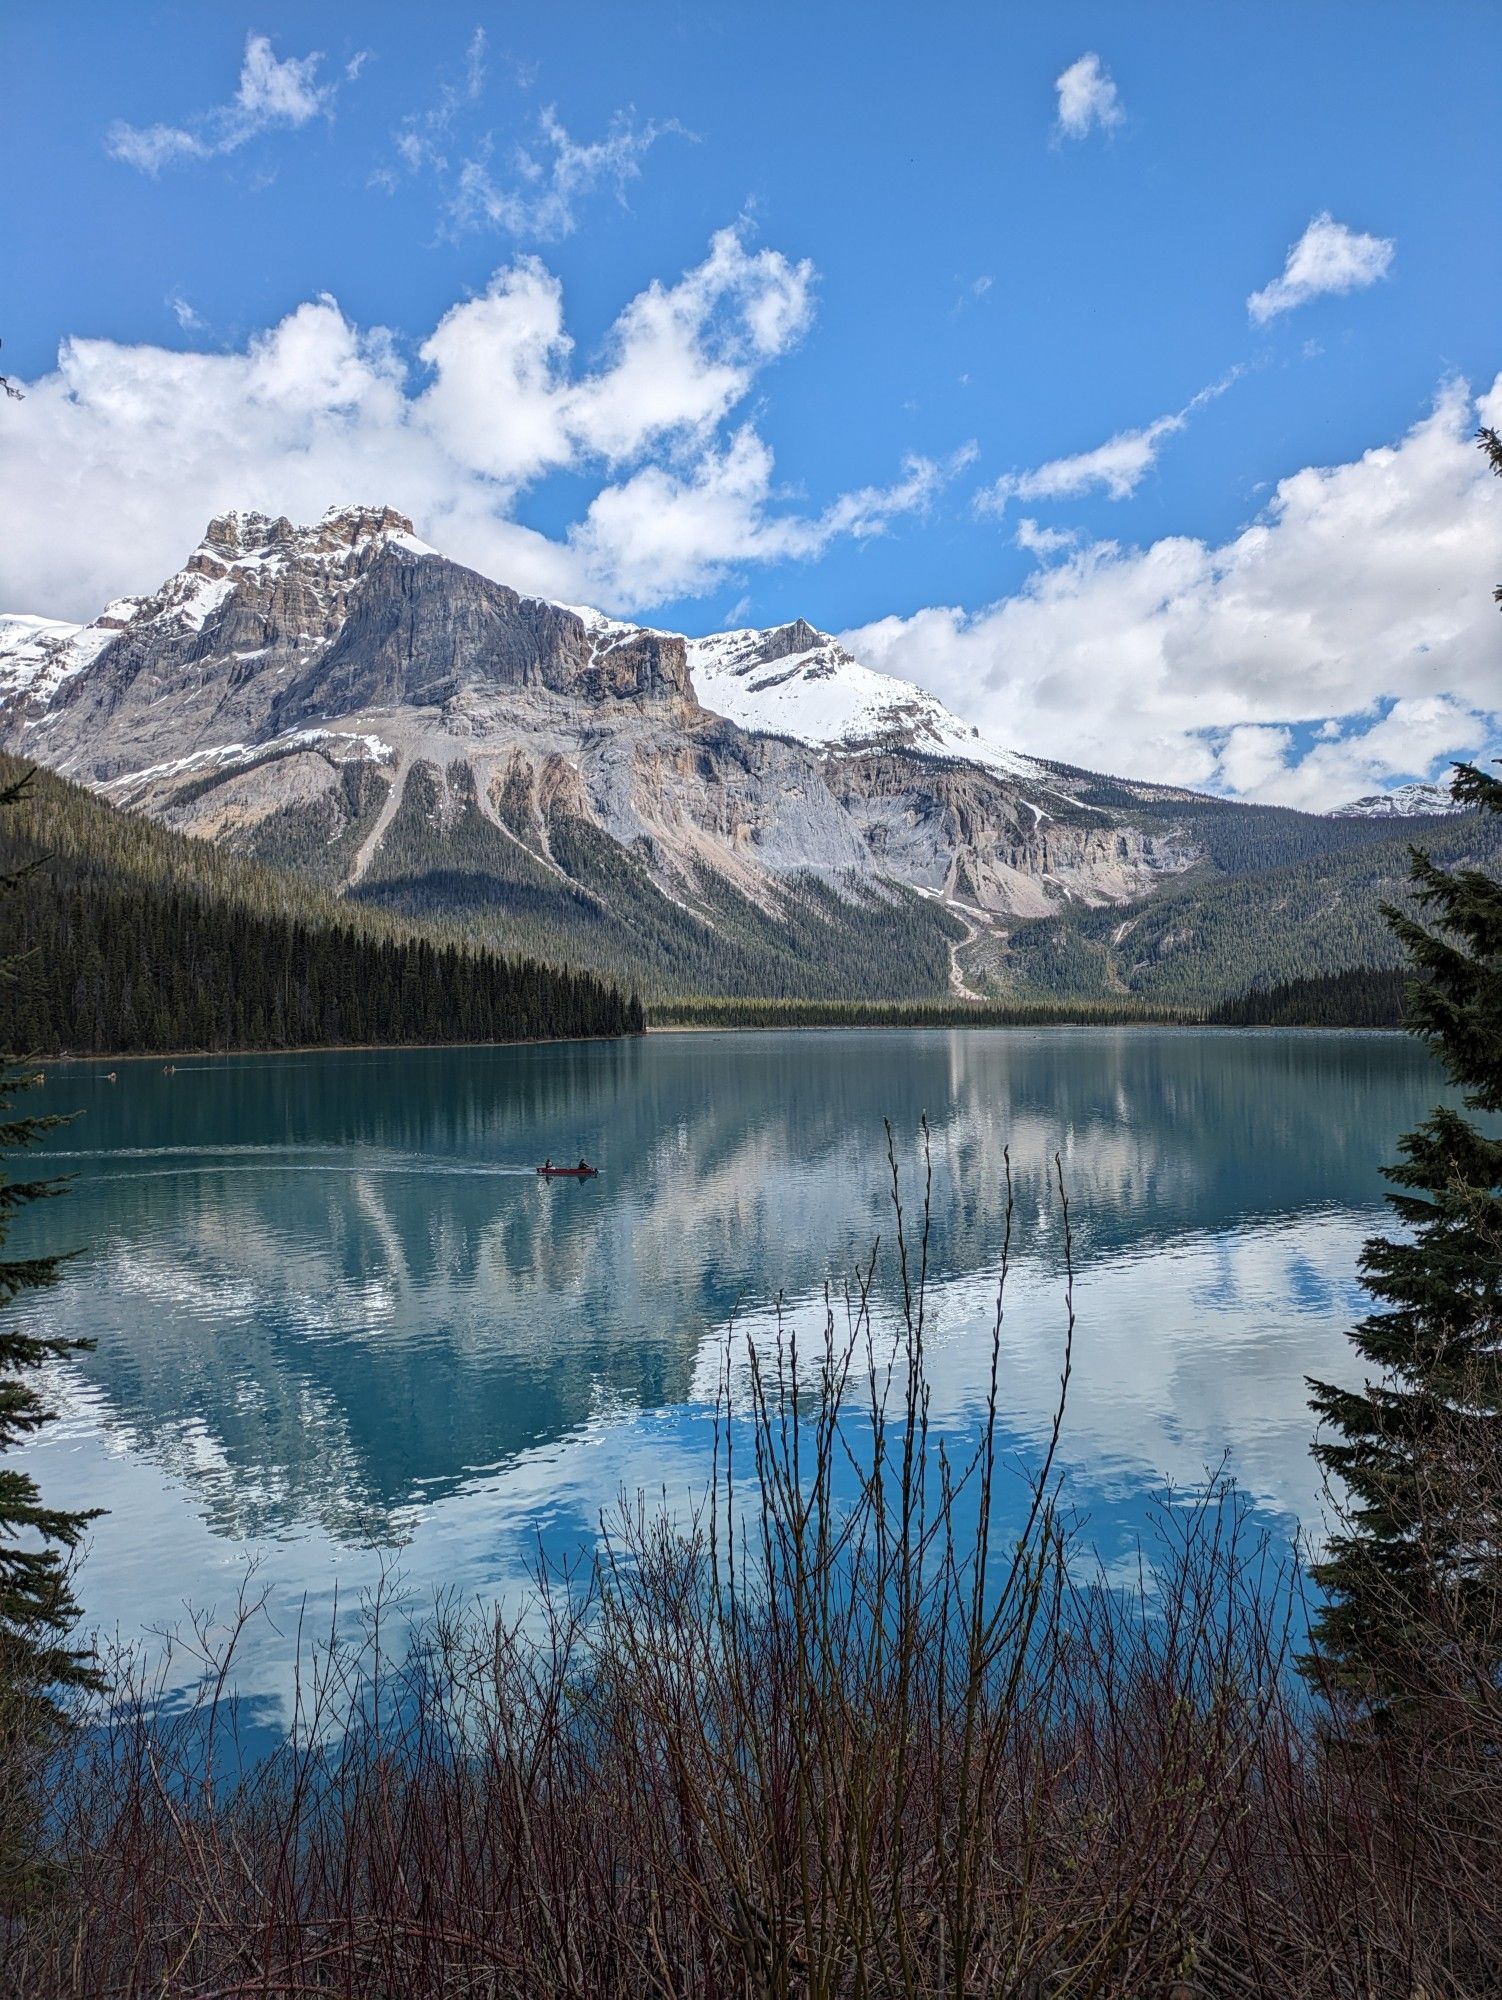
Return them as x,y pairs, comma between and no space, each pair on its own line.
1213,936
755,812
342,699
1414,801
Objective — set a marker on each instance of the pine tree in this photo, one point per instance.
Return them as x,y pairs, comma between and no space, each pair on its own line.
1413,1583
37,1609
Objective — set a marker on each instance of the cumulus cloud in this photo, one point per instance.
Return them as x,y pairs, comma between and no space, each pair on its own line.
1088,99
1418,736
1251,754
115,461
679,358
1328,257
1116,468
663,533
1354,615
271,93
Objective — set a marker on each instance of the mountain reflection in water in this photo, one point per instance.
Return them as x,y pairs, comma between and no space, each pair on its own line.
338,1314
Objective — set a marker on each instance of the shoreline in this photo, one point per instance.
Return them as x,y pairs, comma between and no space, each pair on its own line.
73,1059
1005,1027
313,1049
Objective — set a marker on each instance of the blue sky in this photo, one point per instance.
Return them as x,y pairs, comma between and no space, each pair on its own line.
926,284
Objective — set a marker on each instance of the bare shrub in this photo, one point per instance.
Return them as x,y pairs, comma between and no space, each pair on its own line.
837,1734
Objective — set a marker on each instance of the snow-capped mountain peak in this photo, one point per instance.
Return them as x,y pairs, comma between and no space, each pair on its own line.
341,693
1412,801
248,549
305,573
794,680
249,540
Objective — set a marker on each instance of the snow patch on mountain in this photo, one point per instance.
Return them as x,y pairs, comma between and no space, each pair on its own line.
343,746
796,681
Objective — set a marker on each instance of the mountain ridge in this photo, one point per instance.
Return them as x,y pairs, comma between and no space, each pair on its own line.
754,811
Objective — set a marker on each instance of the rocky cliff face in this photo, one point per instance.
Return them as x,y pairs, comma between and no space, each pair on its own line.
422,633
270,628
342,697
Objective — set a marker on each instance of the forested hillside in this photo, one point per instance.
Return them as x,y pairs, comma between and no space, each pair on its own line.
1209,938
1369,996
139,939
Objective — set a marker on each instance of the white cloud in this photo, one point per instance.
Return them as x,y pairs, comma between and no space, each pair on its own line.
1417,737
1043,541
1116,468
1088,99
663,533
533,190
271,93
678,360
187,318
1328,257
1361,597
1252,754
870,510
422,135
970,292
114,462
553,177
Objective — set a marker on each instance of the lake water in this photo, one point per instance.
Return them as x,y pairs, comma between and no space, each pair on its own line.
342,1325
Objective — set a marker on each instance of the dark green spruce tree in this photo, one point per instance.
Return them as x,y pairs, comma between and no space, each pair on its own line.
37,1609
1413,1582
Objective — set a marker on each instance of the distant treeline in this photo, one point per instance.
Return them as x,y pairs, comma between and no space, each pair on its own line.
1367,996
710,1012
1364,997
136,939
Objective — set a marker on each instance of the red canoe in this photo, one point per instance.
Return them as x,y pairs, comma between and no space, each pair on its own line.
568,1173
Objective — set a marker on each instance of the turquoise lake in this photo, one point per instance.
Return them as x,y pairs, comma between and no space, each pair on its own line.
344,1331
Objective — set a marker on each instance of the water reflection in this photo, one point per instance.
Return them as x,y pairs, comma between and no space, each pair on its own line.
337,1312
